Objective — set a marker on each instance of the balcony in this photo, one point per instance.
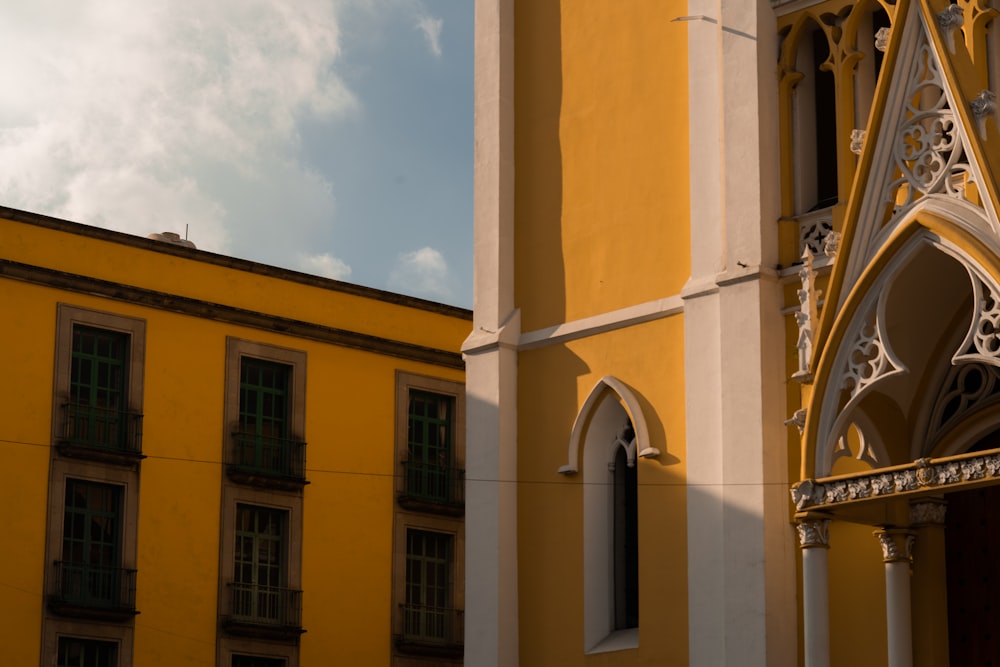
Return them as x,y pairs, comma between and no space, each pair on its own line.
433,488
429,630
104,593
265,461
102,434
268,612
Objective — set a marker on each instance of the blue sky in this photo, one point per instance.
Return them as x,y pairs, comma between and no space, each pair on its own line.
329,136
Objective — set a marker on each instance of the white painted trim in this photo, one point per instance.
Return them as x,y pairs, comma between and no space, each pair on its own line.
589,326
632,407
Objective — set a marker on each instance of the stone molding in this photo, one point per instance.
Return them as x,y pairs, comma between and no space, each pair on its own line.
921,475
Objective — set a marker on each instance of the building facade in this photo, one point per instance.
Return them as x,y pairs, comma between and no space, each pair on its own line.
217,462
731,381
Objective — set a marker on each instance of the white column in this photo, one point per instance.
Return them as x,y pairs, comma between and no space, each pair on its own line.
814,538
897,547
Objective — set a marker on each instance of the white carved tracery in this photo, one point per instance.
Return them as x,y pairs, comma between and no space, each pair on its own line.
814,229
869,360
982,342
928,150
967,388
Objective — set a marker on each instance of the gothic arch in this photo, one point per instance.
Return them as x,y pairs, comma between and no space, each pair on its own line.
933,262
634,411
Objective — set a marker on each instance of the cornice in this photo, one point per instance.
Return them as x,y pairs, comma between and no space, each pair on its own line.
229,314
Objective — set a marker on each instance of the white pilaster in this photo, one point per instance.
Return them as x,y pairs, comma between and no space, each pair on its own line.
741,583
815,542
491,630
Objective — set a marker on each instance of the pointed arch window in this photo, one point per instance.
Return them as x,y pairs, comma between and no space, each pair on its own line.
611,431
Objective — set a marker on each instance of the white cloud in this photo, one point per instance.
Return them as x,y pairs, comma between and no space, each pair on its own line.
325,265
146,118
431,28
421,273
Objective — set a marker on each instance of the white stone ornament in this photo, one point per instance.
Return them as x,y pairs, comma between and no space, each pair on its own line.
814,533
925,474
857,141
806,317
929,512
882,39
949,20
928,149
983,106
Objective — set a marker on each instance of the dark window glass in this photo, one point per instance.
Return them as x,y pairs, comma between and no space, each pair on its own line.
264,398
429,443
427,611
75,652
626,543
259,572
256,661
98,384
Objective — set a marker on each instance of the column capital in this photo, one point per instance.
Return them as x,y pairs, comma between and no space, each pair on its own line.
897,545
928,511
814,533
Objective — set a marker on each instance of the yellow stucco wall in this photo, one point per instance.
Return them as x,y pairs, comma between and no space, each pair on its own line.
601,212
553,383
348,505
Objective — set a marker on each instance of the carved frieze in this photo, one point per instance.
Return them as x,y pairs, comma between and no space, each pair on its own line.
923,475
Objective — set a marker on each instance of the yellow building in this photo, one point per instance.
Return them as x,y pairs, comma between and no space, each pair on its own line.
725,251
166,508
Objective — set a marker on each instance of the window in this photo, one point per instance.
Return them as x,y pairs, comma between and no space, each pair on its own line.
260,573
256,661
90,573
427,614
430,469
265,406
259,593
75,652
98,386
611,430
430,441
626,535
428,527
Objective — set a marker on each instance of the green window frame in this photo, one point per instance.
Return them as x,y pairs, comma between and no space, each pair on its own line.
259,573
427,610
264,398
99,377
76,652
90,571
430,445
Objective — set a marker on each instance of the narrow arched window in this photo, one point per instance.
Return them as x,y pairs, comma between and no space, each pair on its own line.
626,534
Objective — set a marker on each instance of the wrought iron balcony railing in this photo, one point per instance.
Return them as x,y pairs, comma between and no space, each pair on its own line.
434,484
265,456
93,587
426,624
273,606
103,429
